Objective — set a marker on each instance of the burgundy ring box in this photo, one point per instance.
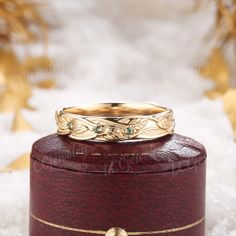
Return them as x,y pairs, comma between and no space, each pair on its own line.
85,188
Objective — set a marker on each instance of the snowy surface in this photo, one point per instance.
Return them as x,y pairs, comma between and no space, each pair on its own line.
131,50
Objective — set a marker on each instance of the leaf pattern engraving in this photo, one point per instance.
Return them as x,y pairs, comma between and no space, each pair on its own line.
64,124
165,122
83,128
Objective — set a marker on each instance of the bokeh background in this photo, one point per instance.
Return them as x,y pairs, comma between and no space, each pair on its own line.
56,53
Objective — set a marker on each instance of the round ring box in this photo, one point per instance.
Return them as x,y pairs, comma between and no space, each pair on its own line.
83,188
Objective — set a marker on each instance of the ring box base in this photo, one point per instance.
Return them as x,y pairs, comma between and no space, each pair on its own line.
147,188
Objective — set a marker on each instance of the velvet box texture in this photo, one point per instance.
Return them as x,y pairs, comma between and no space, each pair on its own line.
85,188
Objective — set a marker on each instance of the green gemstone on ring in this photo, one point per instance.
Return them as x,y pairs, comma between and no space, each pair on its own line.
129,131
98,129
69,125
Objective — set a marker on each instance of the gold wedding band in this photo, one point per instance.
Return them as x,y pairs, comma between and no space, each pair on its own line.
115,121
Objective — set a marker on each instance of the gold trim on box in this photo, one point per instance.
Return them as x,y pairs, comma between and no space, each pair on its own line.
88,231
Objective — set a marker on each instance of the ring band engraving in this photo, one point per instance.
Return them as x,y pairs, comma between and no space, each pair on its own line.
115,121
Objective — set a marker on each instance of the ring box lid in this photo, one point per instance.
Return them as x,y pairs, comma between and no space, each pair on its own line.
170,153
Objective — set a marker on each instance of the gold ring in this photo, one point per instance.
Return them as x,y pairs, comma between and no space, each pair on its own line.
115,121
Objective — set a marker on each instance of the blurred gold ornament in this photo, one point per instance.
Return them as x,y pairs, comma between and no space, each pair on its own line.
225,24
229,100
46,84
9,65
35,64
11,102
217,69
19,20
20,123
15,78
16,94
21,163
